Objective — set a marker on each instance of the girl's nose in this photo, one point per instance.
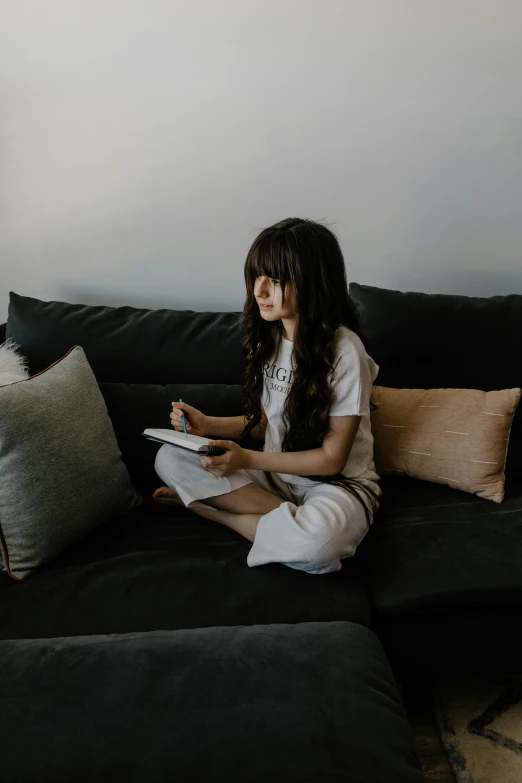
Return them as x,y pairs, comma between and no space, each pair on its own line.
261,287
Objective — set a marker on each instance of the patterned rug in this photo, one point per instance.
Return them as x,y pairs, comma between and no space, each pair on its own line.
480,723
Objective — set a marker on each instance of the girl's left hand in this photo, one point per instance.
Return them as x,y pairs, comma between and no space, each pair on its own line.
235,458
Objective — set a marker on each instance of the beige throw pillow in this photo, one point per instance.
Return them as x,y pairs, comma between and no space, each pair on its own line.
457,437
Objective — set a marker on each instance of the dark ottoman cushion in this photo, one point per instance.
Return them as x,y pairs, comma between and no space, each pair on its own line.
307,702
163,567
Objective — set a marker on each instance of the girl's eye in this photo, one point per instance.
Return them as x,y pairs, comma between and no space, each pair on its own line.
275,281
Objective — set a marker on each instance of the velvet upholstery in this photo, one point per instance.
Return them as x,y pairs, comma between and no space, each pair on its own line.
297,703
128,345
436,549
163,568
433,555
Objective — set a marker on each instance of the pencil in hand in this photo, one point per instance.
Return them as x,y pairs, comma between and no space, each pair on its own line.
183,420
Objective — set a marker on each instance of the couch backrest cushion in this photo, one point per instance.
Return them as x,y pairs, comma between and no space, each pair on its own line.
142,360
418,340
426,341
128,345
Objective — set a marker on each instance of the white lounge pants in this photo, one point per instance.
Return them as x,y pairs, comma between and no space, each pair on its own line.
313,530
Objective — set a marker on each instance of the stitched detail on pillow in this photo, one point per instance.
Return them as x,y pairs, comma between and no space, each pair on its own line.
457,437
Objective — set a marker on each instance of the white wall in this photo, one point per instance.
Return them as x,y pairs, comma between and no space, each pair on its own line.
143,144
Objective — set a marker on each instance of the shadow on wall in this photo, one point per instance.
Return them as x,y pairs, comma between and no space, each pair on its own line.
206,298
461,282
197,302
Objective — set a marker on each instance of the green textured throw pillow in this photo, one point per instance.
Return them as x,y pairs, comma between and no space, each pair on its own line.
61,472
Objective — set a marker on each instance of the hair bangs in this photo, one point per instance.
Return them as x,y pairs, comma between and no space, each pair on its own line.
268,257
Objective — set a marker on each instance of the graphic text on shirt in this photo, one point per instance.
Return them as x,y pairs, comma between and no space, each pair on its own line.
275,373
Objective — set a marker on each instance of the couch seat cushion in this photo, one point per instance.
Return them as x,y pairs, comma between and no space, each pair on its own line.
433,548
162,567
305,703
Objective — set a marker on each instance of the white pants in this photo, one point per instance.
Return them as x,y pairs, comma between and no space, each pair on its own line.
313,530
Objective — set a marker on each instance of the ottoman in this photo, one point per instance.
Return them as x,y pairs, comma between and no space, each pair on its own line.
304,702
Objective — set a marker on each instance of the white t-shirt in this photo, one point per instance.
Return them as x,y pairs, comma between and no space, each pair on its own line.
354,374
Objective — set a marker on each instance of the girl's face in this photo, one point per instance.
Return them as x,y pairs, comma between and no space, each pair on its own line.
269,297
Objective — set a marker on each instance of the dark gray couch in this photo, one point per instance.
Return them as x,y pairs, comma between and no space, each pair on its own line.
151,645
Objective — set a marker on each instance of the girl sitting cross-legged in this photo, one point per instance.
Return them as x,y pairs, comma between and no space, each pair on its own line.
308,499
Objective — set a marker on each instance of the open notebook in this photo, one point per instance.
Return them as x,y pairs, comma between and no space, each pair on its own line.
192,442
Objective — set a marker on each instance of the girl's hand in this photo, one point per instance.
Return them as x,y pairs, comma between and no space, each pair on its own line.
235,458
195,420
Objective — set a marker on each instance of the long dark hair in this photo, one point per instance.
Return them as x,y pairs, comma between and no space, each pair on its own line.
305,255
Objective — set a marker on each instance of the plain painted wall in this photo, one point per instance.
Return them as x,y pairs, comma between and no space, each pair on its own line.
144,144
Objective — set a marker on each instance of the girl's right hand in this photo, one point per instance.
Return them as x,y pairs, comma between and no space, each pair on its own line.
195,420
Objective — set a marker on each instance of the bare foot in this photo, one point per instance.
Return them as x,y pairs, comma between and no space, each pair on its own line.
167,496
170,497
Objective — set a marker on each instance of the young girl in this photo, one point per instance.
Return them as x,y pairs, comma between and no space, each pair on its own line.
309,497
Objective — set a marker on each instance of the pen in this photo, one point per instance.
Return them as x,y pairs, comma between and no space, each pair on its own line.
183,419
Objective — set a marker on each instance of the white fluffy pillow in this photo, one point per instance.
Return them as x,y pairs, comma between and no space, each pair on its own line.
13,366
